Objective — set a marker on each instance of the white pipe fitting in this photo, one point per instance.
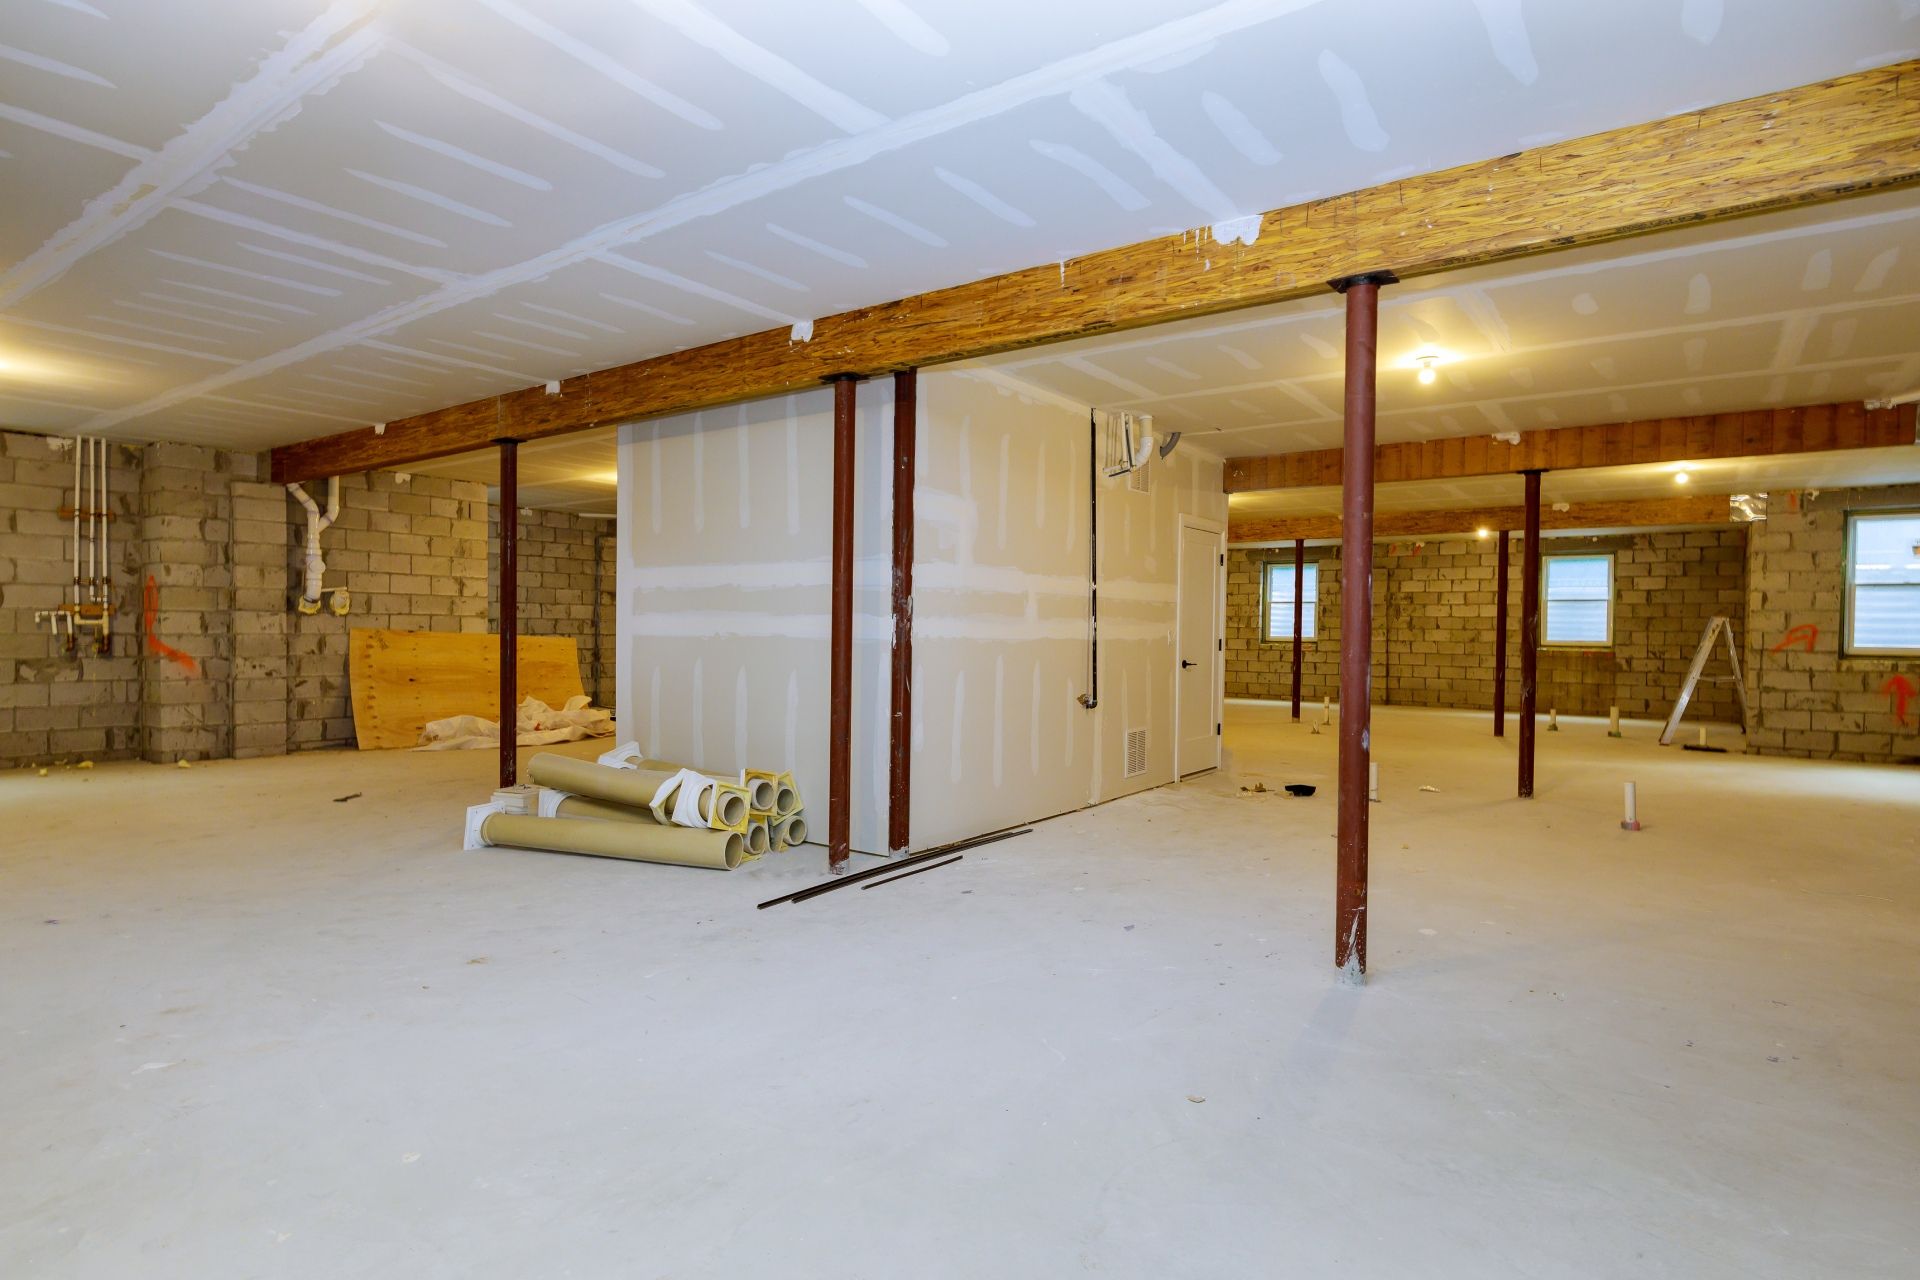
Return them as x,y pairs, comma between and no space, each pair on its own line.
316,524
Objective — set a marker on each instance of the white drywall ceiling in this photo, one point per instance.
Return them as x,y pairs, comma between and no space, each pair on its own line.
1835,470
268,219
1806,307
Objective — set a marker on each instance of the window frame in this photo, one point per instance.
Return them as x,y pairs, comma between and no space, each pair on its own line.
1309,613
1613,592
1847,647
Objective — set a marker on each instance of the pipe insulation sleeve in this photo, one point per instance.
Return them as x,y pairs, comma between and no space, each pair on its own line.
633,841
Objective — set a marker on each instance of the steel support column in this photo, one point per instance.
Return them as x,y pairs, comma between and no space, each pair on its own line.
1500,640
509,611
1529,631
900,714
1299,582
1356,620
840,659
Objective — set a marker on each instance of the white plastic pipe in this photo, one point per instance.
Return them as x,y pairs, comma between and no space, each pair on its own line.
1373,781
317,524
106,525
1553,720
1632,821
1613,722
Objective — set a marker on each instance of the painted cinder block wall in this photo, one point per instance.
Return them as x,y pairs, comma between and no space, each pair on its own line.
225,550
1810,698
1434,607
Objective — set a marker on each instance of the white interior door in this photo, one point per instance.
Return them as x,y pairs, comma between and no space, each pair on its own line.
1197,636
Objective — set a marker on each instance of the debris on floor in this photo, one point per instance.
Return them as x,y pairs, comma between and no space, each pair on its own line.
1301,789
351,795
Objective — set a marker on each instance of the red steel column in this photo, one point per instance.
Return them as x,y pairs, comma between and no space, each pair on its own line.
509,611
1356,620
1299,581
900,723
840,661
1529,631
1500,641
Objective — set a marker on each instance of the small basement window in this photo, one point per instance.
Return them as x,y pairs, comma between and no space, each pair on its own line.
1280,600
1883,582
1578,593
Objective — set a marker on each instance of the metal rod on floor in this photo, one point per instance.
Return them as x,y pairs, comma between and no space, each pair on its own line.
814,891
1529,631
1356,619
1500,640
840,657
1299,584
900,712
931,866
509,611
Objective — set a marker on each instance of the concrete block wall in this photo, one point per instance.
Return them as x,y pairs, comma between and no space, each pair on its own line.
413,557
225,666
557,588
53,706
1818,702
1434,605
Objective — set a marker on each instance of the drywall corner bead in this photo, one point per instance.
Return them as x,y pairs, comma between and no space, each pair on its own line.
802,331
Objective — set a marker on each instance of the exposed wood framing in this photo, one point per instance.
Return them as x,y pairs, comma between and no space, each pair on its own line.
1636,513
1760,433
1801,146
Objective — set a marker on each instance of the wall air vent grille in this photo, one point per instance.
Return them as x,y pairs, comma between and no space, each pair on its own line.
1136,753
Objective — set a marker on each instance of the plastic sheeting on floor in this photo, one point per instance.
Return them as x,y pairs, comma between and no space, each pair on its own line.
538,725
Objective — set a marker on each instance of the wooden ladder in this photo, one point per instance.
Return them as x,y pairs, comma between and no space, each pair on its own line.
1717,627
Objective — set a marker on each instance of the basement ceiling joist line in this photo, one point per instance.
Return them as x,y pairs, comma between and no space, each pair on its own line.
1760,433
1693,509
1802,146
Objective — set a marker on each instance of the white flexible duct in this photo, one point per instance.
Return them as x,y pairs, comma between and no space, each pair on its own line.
316,524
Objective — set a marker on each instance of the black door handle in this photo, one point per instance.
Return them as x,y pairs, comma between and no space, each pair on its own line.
1184,664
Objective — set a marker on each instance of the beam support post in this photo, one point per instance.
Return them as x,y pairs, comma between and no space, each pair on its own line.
1529,631
1500,639
906,422
840,655
1356,621
1299,583
509,611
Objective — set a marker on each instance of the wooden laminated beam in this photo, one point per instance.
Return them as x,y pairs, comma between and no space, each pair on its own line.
1633,513
1760,433
1801,146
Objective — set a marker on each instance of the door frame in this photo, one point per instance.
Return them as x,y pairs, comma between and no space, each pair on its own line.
1218,672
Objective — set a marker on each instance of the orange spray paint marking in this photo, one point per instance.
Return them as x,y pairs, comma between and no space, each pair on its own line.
154,643
1899,689
1803,635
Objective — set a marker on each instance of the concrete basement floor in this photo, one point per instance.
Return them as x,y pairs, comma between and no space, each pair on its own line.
249,1031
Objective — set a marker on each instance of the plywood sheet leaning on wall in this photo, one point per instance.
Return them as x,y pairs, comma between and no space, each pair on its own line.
399,680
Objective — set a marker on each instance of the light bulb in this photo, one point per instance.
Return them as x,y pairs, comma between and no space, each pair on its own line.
1427,375
1682,477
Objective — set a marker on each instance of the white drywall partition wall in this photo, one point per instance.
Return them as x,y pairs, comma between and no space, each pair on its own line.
1000,609
724,585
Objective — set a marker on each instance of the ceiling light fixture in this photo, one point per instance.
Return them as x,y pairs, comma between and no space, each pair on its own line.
1683,476
1427,372
1483,532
